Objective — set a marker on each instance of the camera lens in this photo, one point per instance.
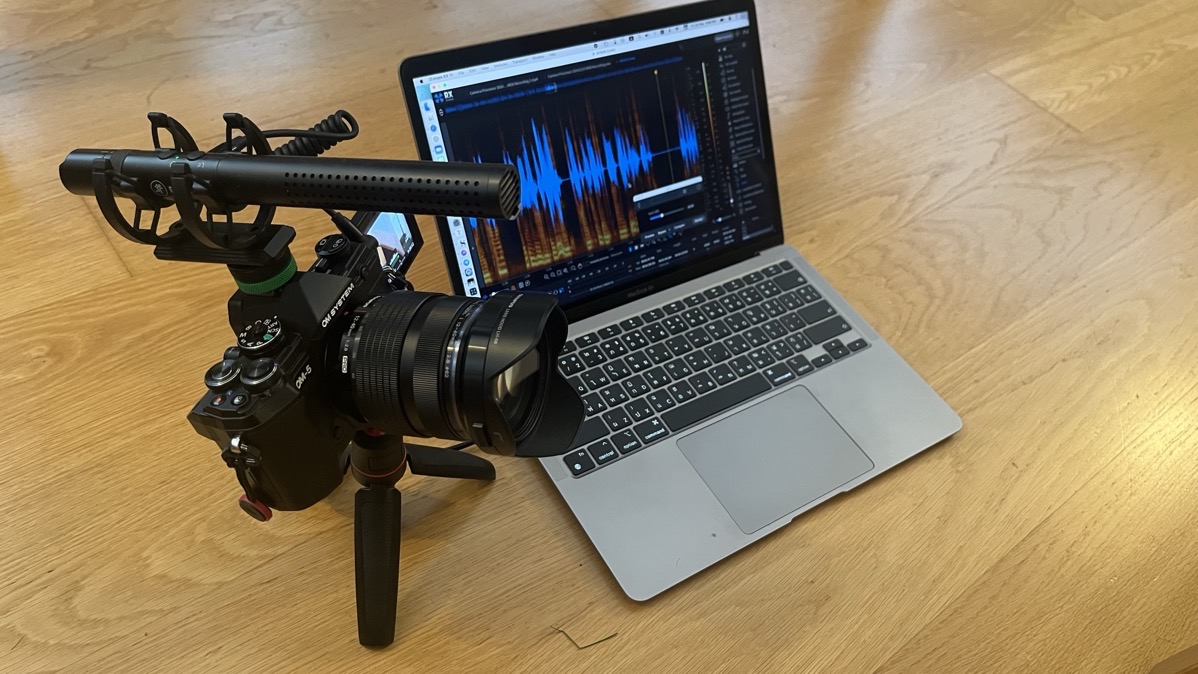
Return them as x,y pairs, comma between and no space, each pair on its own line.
426,364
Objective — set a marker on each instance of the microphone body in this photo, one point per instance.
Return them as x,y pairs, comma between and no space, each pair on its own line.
231,181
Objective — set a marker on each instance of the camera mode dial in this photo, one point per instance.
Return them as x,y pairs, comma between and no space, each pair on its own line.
259,336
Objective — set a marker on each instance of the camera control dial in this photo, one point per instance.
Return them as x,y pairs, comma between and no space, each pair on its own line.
260,335
260,374
220,375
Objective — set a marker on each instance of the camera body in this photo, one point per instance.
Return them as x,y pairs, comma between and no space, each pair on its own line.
270,404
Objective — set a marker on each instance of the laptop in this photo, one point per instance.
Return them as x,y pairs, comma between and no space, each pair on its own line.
729,388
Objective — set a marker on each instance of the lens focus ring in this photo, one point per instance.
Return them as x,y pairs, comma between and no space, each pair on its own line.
377,361
427,392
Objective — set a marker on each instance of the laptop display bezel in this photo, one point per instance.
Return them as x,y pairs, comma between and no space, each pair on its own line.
451,59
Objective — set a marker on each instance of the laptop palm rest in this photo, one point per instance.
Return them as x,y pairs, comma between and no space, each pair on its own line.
798,454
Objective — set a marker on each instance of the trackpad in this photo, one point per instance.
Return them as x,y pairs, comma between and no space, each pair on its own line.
797,453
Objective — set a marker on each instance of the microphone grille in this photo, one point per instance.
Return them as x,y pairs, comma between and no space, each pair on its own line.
509,193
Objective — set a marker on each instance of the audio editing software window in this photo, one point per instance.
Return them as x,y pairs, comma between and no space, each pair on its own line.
636,155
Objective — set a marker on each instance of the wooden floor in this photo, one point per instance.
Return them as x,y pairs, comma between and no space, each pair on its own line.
1006,189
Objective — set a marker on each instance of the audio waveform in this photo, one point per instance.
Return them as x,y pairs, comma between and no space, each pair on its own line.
579,167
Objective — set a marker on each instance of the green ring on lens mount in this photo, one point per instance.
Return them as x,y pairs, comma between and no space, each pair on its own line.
271,284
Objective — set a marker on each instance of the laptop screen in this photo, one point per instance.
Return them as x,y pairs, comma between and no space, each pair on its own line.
638,155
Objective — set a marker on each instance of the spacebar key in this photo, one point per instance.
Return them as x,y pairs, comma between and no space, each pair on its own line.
715,402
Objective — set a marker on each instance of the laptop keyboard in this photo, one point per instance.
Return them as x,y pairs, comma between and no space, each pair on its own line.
653,375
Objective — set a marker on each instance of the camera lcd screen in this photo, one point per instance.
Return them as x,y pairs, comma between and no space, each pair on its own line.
397,234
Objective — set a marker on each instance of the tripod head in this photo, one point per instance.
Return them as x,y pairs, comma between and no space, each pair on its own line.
333,366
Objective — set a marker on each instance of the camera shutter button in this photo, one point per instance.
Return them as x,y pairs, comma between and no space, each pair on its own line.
260,374
222,374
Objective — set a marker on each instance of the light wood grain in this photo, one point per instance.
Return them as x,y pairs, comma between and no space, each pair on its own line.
1004,188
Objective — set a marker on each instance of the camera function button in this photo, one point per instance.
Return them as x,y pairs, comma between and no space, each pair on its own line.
259,374
239,399
331,245
220,375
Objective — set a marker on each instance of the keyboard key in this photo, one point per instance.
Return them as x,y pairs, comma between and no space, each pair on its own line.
822,332
768,288
618,419
569,347
817,312
773,307
756,337
712,293
774,329
751,295
798,342
732,303
616,370
660,400
778,374
772,270
587,340
595,379
756,315
630,323
734,284
857,344
753,277
718,329
761,358
659,353
655,333
651,430
800,365
789,280
838,353
780,350
737,345
591,430
702,383
638,362
694,317
571,365
579,385
579,462
652,315
592,356
636,386
694,300
679,345
791,300
821,360
635,340
713,310
614,395
722,374
697,360
639,410
626,441
737,322
609,332
682,392
715,402
676,325
593,404
603,451
674,307
742,366
698,337
678,369
792,322
809,294
614,348
657,377
786,264
718,353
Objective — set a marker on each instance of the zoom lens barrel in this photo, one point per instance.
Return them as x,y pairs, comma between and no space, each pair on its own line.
432,365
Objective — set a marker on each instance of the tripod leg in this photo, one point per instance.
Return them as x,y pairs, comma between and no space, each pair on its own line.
442,462
376,562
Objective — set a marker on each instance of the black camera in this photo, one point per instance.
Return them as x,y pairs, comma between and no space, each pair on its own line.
333,366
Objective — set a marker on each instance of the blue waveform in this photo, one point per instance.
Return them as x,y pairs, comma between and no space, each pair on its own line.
688,138
618,160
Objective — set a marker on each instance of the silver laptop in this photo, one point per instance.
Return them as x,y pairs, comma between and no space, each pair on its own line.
728,387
